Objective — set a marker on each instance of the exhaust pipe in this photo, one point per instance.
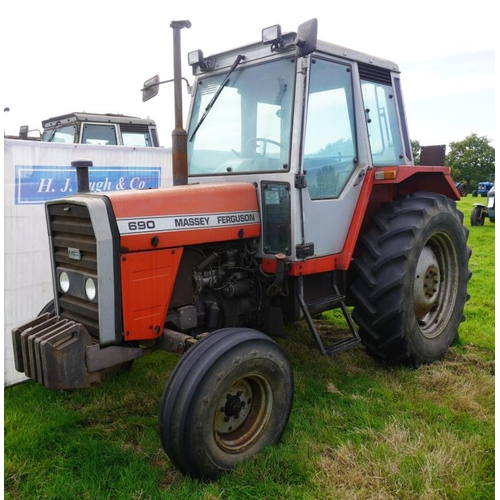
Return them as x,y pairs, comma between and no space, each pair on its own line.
82,175
179,135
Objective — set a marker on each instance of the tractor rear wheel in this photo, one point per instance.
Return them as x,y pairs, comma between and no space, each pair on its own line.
411,279
228,397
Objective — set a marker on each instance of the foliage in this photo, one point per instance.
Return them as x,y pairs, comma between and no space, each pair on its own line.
340,148
415,148
471,160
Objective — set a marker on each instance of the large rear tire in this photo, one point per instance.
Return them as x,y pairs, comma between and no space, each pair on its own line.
228,397
411,280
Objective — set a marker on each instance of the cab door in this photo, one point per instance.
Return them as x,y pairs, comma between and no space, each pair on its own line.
332,173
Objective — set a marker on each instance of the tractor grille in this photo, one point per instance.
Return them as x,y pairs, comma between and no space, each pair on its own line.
74,249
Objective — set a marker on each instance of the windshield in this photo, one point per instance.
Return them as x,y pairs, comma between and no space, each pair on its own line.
64,134
248,127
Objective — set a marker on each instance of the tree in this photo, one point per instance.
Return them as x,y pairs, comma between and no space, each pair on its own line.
415,149
471,160
340,148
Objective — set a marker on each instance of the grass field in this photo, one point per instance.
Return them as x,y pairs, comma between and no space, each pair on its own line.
357,430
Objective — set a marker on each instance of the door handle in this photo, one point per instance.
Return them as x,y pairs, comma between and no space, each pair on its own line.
360,177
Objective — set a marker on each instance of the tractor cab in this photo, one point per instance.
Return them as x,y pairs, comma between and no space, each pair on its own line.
294,194
304,121
100,130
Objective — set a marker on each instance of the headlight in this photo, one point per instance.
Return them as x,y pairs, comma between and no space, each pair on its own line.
64,281
90,289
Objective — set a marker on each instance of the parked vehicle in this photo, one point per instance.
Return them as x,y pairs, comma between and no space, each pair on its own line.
483,188
480,212
462,188
100,129
295,193
94,128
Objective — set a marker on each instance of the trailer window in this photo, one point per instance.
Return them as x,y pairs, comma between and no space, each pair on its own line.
329,146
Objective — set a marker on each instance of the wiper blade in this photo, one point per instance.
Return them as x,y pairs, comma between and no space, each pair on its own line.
237,61
53,132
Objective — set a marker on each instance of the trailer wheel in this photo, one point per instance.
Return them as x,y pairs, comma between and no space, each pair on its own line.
228,397
411,280
477,216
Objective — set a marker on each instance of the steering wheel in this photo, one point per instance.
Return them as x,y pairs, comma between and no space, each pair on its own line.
265,142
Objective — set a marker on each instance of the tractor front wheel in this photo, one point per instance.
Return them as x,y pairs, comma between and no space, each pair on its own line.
228,397
477,216
411,280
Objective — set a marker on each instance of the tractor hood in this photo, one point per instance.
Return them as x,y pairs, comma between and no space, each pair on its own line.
185,215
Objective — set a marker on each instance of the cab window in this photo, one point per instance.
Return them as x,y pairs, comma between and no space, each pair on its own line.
99,134
329,146
136,139
247,128
381,117
65,135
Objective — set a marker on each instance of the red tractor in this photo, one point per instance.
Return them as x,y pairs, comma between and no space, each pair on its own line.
295,193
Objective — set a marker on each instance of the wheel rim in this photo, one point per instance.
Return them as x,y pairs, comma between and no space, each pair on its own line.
435,285
242,413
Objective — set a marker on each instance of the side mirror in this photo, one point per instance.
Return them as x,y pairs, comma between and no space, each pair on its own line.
151,88
307,38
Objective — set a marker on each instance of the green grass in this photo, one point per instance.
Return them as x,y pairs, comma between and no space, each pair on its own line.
357,430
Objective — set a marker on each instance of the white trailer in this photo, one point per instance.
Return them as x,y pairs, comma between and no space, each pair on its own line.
35,172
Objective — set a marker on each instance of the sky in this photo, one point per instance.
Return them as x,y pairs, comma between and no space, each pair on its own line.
94,56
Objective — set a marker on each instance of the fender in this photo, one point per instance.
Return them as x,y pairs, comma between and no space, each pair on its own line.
392,182
381,184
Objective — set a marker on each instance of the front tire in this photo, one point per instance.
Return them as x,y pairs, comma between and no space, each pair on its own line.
228,397
48,308
411,280
477,216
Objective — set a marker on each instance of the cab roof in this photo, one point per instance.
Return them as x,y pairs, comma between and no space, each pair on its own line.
95,117
259,50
